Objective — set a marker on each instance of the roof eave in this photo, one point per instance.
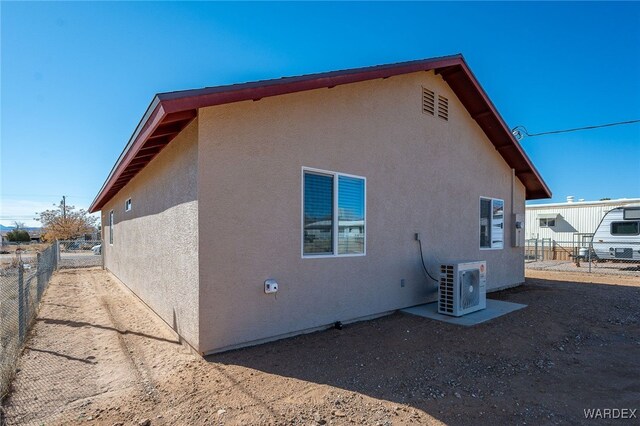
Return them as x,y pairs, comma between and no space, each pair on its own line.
542,191
176,109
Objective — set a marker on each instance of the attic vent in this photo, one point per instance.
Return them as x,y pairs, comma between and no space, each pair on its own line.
428,101
443,107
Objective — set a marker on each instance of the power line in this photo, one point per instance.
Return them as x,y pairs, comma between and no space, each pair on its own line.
86,197
519,131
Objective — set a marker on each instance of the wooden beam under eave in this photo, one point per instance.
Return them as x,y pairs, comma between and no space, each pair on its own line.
149,150
157,141
147,157
448,71
146,153
125,179
187,115
483,114
141,161
167,129
132,168
524,172
163,134
128,174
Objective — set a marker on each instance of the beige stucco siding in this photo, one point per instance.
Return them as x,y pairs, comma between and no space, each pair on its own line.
423,175
155,247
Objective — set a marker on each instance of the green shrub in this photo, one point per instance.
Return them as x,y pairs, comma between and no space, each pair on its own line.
19,236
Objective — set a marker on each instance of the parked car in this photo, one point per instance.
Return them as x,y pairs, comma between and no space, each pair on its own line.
97,249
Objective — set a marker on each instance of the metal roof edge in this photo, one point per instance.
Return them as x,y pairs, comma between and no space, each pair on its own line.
619,201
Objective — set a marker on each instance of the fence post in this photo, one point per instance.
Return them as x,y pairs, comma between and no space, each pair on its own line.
21,303
39,272
589,259
57,254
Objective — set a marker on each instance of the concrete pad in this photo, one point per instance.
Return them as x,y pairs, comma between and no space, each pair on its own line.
495,309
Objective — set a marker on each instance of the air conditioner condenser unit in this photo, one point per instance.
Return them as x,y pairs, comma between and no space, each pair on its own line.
463,287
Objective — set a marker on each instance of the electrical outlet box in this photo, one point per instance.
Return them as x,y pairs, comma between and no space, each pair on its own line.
270,286
517,230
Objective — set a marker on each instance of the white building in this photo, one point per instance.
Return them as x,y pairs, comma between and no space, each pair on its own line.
569,221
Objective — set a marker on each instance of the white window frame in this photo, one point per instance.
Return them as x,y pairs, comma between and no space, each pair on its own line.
492,199
127,205
334,228
111,221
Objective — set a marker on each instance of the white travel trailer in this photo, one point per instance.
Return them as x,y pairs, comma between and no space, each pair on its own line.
618,235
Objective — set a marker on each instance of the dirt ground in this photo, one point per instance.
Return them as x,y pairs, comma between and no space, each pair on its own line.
98,356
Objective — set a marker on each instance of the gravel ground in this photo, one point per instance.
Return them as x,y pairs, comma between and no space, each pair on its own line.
98,356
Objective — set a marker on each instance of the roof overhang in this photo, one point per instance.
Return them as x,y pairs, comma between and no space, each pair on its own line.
171,112
547,215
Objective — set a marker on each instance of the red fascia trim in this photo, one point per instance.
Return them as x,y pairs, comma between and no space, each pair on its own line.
175,102
504,126
199,98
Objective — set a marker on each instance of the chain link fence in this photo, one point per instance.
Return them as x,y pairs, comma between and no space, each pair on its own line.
80,253
584,254
23,280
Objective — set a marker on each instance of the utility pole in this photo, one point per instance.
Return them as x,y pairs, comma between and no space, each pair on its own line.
64,208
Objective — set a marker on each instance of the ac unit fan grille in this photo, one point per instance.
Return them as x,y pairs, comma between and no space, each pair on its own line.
446,288
470,288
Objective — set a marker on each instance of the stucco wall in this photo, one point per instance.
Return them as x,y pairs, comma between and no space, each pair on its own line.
155,247
423,175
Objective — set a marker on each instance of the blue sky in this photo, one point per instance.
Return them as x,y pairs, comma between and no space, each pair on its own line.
77,77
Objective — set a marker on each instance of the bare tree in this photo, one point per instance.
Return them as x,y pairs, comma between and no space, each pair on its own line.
66,223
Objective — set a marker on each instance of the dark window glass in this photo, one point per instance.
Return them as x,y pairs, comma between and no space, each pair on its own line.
350,215
111,227
485,223
547,223
318,213
625,228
